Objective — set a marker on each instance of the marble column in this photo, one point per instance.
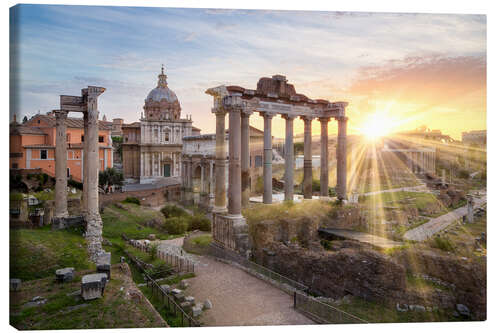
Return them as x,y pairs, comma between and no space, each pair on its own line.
61,191
341,158
324,157
220,162
93,233
289,157
268,159
307,183
234,204
245,158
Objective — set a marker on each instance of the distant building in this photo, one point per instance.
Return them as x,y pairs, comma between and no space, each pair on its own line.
425,133
32,145
152,147
198,161
474,137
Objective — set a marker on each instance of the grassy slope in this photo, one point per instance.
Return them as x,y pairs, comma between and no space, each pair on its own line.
114,310
37,253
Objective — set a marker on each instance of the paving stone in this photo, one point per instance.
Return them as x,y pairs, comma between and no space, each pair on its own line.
179,297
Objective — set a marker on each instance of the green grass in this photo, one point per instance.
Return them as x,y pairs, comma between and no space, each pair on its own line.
203,240
38,253
375,312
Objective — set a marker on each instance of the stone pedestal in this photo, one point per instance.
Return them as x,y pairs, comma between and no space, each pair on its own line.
93,286
231,232
104,263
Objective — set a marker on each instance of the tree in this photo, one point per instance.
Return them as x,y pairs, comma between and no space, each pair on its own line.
25,119
110,177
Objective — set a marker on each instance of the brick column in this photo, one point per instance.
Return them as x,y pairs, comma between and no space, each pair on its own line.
61,190
307,183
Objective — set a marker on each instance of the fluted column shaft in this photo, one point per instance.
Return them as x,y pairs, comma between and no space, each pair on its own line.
245,158
268,159
234,204
342,158
289,158
220,162
61,195
324,156
307,183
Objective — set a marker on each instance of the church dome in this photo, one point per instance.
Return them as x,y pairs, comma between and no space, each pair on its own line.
161,102
162,91
159,93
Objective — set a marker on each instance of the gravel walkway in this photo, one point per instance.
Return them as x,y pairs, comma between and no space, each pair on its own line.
238,298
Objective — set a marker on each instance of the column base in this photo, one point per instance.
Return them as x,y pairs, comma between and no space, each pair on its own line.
231,232
219,210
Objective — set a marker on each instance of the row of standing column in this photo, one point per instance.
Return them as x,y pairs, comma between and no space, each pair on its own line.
239,187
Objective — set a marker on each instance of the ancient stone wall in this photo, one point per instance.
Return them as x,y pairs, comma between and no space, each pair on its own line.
153,197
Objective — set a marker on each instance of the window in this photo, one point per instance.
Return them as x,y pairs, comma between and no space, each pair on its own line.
258,161
39,121
83,138
68,137
126,139
43,154
156,134
67,173
101,138
14,165
167,136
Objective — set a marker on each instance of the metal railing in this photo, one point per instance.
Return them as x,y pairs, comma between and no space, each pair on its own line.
179,264
256,268
322,312
318,311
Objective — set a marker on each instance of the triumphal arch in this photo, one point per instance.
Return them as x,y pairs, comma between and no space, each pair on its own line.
273,97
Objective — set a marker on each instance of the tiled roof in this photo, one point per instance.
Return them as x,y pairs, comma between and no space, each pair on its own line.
21,129
71,122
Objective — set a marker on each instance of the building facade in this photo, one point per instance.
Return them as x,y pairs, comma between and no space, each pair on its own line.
152,147
33,144
474,137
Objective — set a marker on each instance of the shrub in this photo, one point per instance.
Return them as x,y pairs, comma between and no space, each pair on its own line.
442,244
464,174
153,251
133,200
176,225
15,196
75,184
316,185
45,178
173,211
199,222
327,245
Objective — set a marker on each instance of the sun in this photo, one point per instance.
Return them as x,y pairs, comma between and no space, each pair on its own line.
375,127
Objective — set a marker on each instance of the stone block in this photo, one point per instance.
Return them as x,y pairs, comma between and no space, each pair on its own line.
185,306
176,291
59,223
15,284
189,299
93,285
197,310
152,236
207,304
179,297
104,263
65,274
166,288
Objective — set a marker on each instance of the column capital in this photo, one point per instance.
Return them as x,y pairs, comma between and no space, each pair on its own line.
60,114
288,116
245,113
307,118
324,119
266,114
341,118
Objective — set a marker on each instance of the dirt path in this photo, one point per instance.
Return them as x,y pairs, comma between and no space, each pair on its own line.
238,298
439,223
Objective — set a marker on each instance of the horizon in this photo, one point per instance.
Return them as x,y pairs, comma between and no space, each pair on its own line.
398,71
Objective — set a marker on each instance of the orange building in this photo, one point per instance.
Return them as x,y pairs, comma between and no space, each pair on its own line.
32,145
